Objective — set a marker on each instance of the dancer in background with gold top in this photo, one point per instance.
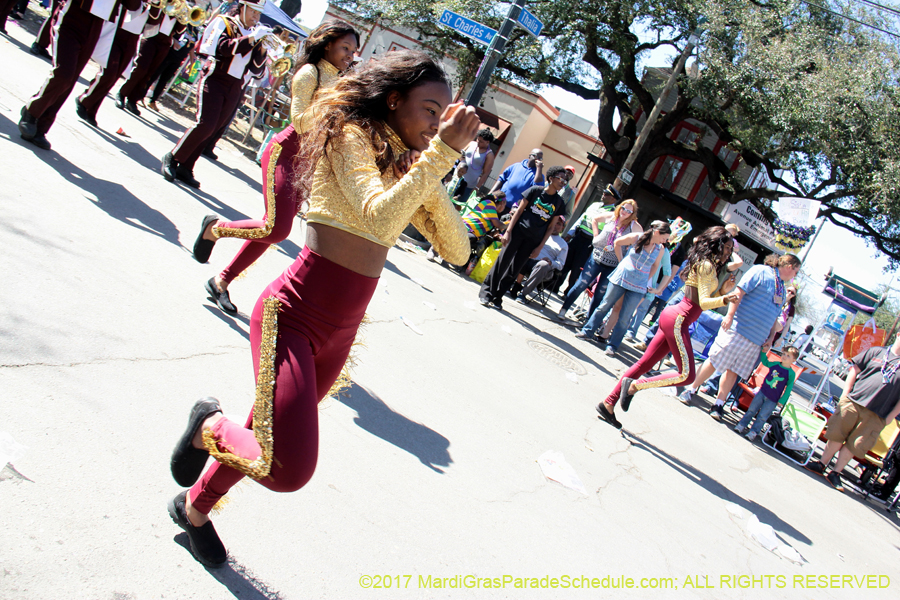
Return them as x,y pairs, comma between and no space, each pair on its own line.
706,257
328,51
234,42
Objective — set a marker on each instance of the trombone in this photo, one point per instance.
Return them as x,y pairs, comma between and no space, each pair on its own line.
183,12
280,54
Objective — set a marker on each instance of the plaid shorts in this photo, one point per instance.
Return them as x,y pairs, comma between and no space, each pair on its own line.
733,352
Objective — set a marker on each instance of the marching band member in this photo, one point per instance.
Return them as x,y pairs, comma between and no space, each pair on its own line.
234,44
42,39
117,58
156,40
329,49
77,29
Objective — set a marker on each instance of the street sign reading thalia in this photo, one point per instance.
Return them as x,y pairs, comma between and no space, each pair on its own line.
468,27
530,23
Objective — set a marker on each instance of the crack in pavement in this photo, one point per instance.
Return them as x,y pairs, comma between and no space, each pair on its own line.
101,361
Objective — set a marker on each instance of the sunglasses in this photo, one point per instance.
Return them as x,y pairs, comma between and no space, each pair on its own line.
625,209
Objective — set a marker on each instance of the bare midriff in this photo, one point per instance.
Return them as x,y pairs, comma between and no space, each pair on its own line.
348,250
691,293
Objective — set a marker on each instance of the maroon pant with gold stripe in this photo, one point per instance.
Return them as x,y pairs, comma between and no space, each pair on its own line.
280,195
77,34
320,305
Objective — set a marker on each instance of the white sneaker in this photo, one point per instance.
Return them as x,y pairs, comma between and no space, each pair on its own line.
751,435
430,254
738,429
686,397
562,313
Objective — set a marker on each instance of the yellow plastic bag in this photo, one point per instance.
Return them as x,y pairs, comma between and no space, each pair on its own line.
487,260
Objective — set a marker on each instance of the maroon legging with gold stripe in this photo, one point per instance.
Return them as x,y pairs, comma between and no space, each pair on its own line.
673,337
321,307
282,202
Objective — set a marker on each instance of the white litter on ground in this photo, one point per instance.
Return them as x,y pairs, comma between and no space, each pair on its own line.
554,467
429,305
765,536
411,325
10,449
571,376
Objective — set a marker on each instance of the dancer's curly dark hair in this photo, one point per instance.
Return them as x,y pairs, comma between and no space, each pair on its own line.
360,98
709,245
314,46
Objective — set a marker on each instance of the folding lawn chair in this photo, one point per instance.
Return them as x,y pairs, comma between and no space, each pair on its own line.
583,303
807,424
544,289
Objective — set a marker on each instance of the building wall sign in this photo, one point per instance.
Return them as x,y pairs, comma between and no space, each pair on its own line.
751,221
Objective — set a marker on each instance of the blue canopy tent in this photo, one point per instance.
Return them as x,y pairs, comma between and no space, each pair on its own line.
272,15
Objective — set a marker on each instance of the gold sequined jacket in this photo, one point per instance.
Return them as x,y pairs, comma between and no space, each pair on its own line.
703,277
350,193
306,81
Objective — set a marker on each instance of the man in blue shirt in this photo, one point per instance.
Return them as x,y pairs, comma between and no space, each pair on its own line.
517,179
747,329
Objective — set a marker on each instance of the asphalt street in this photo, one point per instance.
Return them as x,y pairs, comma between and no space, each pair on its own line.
429,467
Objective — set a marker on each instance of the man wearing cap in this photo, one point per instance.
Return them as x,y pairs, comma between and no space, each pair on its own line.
77,28
520,177
580,236
234,43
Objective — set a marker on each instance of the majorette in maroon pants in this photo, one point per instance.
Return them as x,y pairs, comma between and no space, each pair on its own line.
672,336
301,332
282,203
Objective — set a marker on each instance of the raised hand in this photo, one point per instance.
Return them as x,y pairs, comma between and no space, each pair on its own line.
458,125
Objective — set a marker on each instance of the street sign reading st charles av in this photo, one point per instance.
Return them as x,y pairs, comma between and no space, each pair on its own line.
469,28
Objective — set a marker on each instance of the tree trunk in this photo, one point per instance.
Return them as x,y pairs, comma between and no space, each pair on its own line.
291,7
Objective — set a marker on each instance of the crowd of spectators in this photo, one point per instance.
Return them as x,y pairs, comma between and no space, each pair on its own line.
629,273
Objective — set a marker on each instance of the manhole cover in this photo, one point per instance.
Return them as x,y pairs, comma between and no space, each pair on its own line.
557,357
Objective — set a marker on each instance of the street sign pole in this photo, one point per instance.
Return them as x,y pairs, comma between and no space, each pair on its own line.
492,56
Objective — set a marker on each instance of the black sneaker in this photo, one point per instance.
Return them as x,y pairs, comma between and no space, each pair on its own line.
202,246
816,466
27,125
168,167
222,299
132,108
608,416
187,462
834,479
84,115
206,546
717,412
40,51
41,141
210,153
184,175
624,396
